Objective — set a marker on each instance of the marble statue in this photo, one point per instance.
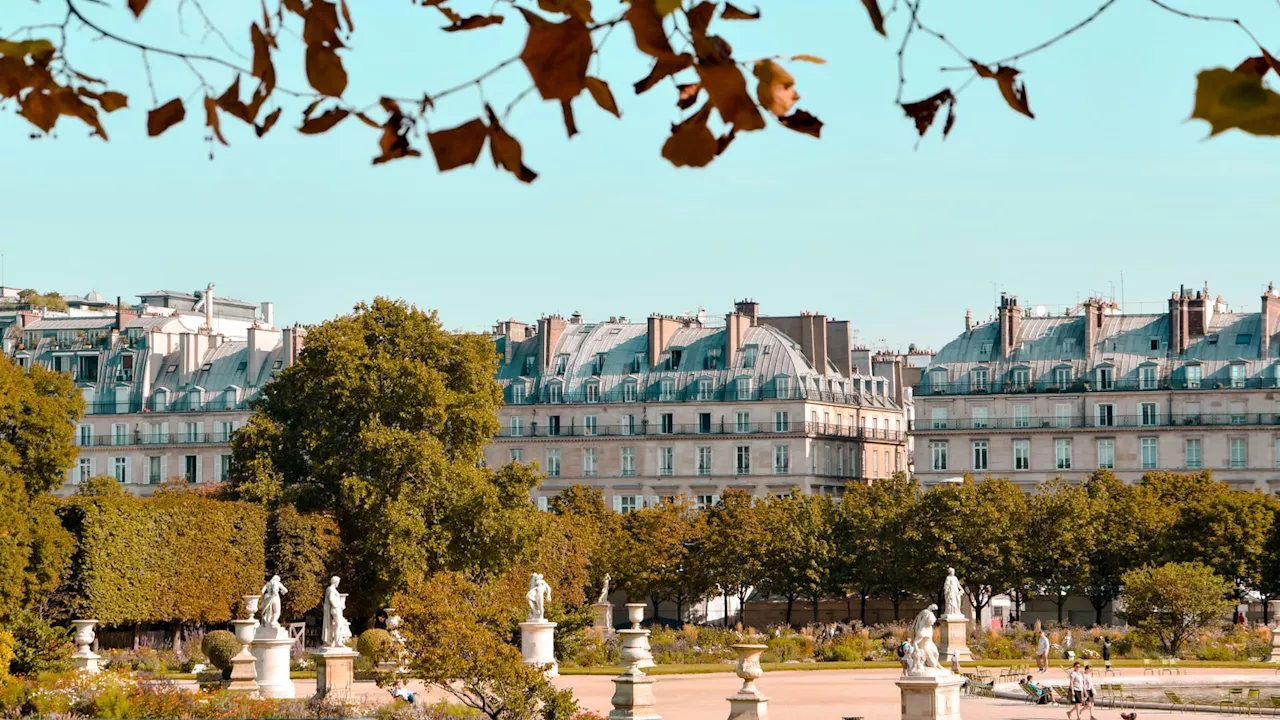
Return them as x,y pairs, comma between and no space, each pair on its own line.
336,629
271,593
604,591
951,594
538,595
924,653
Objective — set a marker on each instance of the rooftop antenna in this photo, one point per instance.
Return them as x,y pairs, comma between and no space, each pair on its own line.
1121,292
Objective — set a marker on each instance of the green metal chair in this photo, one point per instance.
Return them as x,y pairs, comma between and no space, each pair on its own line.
1253,700
1233,700
1175,702
1147,669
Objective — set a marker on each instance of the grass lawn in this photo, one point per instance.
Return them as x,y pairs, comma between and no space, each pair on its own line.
701,668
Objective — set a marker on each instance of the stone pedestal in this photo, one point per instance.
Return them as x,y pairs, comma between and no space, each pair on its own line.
954,637
85,659
537,645
635,649
633,697
749,703
602,619
1275,645
270,648
244,672
335,672
931,697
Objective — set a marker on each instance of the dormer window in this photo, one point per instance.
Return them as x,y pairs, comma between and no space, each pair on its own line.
1237,370
749,356
555,392
530,363
517,393
978,379
782,387
937,380
1062,376
1106,377
673,360
667,390
593,392
629,391
1244,338
562,364
704,389
985,349
598,367
637,363
1193,375
1147,377
1155,343
1020,378
277,365
712,361
744,387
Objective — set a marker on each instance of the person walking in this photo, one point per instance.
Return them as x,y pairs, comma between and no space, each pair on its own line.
1106,653
1088,690
1042,653
955,661
1076,688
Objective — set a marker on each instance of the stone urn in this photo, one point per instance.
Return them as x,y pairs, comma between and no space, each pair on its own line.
251,605
393,620
748,667
635,614
85,658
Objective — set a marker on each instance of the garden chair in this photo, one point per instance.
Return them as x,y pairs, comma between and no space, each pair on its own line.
1146,667
1175,667
1275,702
1254,700
1234,699
1033,695
1175,702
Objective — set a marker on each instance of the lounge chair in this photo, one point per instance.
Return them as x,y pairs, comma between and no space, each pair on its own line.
1175,702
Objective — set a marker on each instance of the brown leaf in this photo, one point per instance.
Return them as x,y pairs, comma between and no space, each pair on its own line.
449,14
877,17
733,13
229,102
473,22
137,6
924,111
722,142
40,110
458,146
557,55
346,16
506,150
394,142
580,9
700,18
367,120
311,108
802,122
728,92
295,6
323,122
570,125
68,102
663,69
603,96
688,95
40,50
951,120
809,58
165,117
691,144
325,71
1007,79
111,101
1260,65
776,90
211,119
15,76
267,123
320,24
263,68
646,26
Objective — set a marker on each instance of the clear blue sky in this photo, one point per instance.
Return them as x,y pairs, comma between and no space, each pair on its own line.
1109,178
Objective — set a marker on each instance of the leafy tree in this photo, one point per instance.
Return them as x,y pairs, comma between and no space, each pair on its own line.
1130,522
381,424
590,528
1174,602
301,548
1228,531
52,301
38,646
799,553
875,538
679,37
662,555
1063,530
1269,564
734,546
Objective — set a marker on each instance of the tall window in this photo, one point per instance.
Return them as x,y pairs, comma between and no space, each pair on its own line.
628,461
553,462
780,423
84,435
589,425
562,364
593,392
666,461
704,422
1106,378
1062,415
1062,376
224,469
1020,378
629,392
224,431
119,434
667,423
939,417
553,425
782,386
744,387
192,469
1237,375
979,418
1239,454
555,393
704,389
781,459
1021,454
1147,377
938,451
86,466
155,471
712,361
1193,454
1148,414
1192,414
1106,453
667,390
627,425
749,356
978,379
517,393
1237,413
517,455
628,504
192,432
1105,414
743,422
1062,453
120,468
1150,453
979,454
517,426
1021,416
589,468
1193,376
704,460
742,464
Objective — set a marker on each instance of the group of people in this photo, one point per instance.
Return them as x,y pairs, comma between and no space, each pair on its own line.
1068,649
1080,689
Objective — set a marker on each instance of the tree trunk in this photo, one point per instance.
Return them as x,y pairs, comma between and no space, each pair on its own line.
655,600
862,610
815,609
726,609
1266,609
177,638
680,611
790,602
137,632
1098,602
1061,602
897,605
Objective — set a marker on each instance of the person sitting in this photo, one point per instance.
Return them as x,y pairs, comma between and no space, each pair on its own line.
1043,695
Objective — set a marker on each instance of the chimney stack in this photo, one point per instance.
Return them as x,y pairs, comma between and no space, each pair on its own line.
1270,308
735,332
549,331
1010,322
661,328
968,320
750,308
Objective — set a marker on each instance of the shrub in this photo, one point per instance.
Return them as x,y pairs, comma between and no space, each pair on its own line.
6,653
38,646
220,646
377,645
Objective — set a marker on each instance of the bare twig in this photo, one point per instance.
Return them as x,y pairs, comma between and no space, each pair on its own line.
1206,18
902,53
1047,43
151,83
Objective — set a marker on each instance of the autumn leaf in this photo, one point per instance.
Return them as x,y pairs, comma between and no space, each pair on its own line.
662,69
650,35
346,16
39,109
602,95
15,76
700,19
691,144
777,89
325,71
323,122
809,58
394,142
473,22
951,120
263,69
580,9
688,95
727,89
41,51
556,56
137,6
802,122
211,119
69,103
924,111
1260,65
877,17
165,117
458,146
722,142
111,101
1229,99
506,150
267,123
734,13
1007,79
320,24
666,7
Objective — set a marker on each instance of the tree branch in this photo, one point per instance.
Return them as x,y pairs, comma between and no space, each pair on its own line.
1047,43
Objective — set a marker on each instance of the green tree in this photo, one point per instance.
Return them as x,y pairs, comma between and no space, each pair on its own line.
1269,564
875,541
1063,528
734,547
301,548
1174,602
52,301
662,555
1130,525
799,553
381,424
589,528
1228,531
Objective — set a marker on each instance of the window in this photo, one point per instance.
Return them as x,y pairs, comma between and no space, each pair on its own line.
562,364
749,356
1106,453
517,426
742,422
1193,376
1062,415
939,417
704,389
712,361
704,460
1020,378
1147,377
985,349
1239,454
155,470
1277,452
224,431
1021,454
1106,378
702,502
666,423
120,469
629,391
593,392
1244,338
628,461
1104,414
938,380
628,503
553,425
742,465
191,468
743,386
1148,414
666,461
826,421
1150,454
517,455
1193,454
530,364
1237,375
84,435
517,393
589,462
1021,416
589,425
553,462
1062,453
119,434
86,467
224,468
597,368
191,432
979,455
1192,414
667,390
628,425
637,362
938,451
1154,343
781,459
1237,413
673,360
1062,376
780,422
782,387
555,393
978,379
979,418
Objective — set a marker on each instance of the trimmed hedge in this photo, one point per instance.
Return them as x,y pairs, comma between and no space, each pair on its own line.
173,557
220,646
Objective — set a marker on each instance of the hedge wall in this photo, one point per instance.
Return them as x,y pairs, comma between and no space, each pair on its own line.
174,557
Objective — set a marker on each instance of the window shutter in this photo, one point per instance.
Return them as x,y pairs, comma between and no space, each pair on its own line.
199,467
128,477
542,504
654,500
617,503
164,468
715,499
92,470
199,438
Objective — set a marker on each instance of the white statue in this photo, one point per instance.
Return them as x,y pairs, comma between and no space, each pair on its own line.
336,629
538,595
924,653
951,594
604,591
271,593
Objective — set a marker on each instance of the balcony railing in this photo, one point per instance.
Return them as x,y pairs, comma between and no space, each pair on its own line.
691,393
728,427
158,438
177,405
1010,387
1117,421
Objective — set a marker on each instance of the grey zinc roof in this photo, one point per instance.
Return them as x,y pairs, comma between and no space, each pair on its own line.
92,322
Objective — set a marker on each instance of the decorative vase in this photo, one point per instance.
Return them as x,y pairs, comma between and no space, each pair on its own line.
251,605
393,620
635,614
84,635
749,666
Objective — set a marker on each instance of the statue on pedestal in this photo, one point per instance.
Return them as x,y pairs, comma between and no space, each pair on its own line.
538,595
951,594
271,593
923,651
604,591
336,629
